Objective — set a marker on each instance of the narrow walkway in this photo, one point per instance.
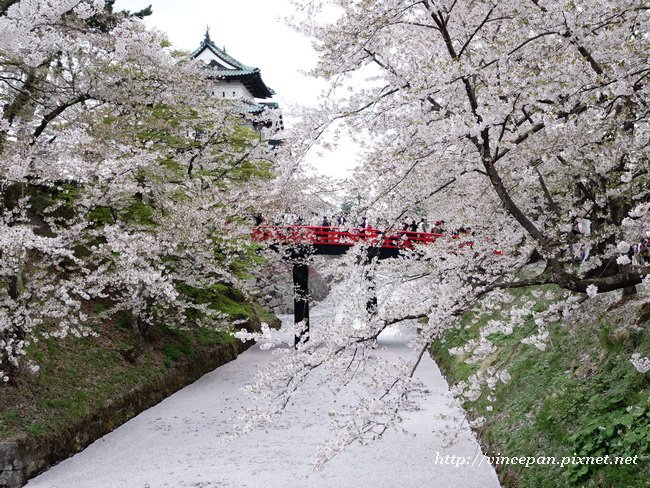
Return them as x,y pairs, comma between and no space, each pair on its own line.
178,444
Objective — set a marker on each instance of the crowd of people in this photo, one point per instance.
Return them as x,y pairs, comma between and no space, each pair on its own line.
354,223
344,221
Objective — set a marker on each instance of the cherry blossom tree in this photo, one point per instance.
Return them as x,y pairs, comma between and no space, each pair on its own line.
542,105
525,121
121,179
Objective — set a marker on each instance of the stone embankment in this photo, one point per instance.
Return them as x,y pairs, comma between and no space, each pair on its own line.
273,286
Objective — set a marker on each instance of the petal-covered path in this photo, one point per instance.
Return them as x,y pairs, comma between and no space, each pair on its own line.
178,443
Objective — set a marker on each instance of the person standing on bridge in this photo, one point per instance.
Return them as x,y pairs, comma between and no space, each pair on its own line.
423,226
364,222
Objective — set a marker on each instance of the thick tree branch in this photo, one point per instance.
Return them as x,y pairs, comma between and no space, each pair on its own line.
533,130
49,117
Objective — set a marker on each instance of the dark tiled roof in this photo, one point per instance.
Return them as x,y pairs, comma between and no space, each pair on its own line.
251,77
257,108
229,73
253,108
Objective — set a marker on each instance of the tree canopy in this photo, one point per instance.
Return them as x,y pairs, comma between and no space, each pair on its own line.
524,122
121,179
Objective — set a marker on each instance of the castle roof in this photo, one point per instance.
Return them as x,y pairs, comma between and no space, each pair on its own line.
224,67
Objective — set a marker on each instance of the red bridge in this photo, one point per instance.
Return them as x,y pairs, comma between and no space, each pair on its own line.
334,240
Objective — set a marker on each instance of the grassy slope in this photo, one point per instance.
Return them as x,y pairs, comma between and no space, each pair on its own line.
79,375
581,395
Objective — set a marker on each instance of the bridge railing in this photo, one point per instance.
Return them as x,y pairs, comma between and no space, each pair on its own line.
343,237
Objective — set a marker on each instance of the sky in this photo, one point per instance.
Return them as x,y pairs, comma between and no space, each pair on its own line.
255,33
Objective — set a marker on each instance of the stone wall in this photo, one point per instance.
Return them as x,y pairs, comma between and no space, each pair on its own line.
273,286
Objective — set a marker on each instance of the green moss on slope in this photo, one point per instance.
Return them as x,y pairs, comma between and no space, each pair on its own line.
80,375
581,397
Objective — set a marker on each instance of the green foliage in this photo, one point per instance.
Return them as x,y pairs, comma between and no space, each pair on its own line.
100,216
220,297
57,202
621,432
60,203
579,396
10,417
124,320
135,211
107,20
174,168
172,353
101,308
36,429
139,213
209,337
